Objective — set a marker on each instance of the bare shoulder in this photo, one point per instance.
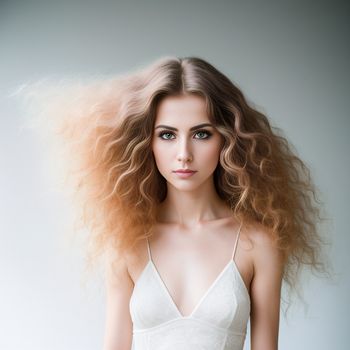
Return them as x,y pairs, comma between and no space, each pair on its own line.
135,260
261,243
117,271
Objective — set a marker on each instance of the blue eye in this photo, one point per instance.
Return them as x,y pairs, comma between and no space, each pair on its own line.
208,133
204,132
165,133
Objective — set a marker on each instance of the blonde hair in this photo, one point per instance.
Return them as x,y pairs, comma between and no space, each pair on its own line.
107,128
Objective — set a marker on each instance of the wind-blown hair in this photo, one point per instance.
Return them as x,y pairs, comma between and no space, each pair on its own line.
107,128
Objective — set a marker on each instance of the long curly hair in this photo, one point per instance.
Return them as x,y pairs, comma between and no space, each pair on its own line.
107,127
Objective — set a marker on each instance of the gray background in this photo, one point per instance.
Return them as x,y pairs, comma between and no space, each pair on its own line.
289,58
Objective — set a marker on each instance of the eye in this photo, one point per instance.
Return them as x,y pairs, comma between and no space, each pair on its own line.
165,133
208,133
199,132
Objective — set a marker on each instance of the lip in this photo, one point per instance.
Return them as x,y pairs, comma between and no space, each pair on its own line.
184,174
184,171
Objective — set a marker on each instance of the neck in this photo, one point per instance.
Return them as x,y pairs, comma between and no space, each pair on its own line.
192,208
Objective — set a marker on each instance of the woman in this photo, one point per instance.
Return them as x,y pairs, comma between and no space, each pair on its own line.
201,208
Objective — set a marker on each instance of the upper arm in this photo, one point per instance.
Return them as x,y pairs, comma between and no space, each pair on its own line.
265,293
118,324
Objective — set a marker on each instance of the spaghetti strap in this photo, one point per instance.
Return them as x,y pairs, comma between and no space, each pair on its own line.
236,242
149,250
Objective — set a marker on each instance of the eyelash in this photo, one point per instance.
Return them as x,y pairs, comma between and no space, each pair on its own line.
169,132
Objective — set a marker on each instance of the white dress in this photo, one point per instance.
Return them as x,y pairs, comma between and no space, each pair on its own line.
218,322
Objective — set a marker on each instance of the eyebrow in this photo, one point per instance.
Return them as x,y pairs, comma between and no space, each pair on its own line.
191,129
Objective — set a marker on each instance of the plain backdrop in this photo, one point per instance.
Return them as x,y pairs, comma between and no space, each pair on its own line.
290,58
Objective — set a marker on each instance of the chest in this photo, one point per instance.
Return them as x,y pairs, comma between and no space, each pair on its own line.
189,268
173,293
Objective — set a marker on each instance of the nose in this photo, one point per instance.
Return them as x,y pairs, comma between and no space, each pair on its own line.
184,159
184,154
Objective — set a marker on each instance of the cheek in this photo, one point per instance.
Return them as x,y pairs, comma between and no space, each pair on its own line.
211,152
160,153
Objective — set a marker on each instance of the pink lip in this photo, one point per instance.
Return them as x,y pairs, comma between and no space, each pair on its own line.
185,171
185,174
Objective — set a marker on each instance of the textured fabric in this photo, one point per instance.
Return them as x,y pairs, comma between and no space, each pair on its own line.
218,321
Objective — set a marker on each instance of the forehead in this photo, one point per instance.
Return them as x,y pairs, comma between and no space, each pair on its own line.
182,108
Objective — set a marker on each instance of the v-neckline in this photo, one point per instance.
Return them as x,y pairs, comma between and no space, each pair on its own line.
201,300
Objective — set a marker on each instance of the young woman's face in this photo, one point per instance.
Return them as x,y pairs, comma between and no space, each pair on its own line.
184,139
